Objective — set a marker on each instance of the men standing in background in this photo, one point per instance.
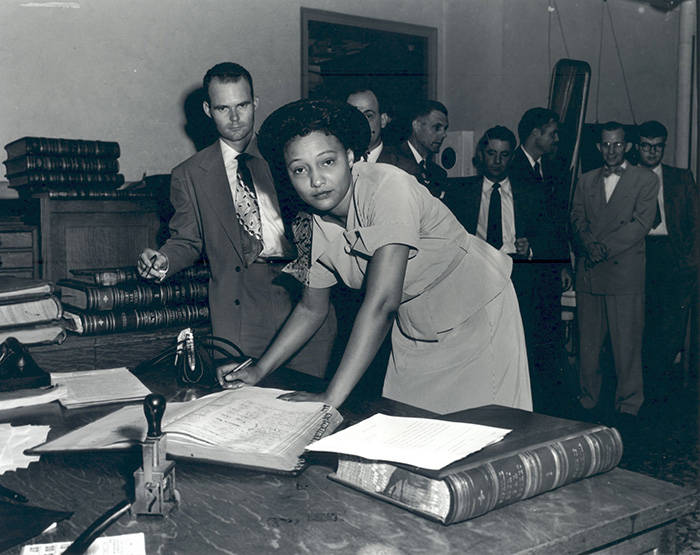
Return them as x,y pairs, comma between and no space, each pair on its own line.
545,272
429,125
226,209
485,204
367,102
612,211
673,254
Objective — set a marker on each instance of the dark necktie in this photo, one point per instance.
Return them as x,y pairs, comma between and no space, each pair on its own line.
494,229
657,218
425,177
247,210
538,171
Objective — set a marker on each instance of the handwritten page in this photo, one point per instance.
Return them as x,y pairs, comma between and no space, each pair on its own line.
126,544
96,387
254,420
14,440
422,442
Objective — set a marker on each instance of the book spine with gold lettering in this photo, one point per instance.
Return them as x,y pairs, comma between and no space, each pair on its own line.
138,294
474,490
95,323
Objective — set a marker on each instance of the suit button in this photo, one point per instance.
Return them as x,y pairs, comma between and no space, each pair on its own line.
236,302
238,268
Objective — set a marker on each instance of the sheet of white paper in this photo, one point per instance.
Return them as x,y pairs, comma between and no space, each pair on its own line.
91,387
14,440
31,397
126,544
422,442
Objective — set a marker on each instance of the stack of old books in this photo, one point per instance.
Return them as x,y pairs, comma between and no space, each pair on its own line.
63,167
30,312
108,300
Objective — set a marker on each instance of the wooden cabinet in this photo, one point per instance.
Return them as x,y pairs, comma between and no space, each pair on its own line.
94,233
19,252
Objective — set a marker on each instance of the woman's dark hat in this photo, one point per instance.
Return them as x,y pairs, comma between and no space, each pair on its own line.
302,117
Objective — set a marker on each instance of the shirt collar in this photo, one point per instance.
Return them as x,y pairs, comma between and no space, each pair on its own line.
416,154
530,158
487,184
228,152
373,154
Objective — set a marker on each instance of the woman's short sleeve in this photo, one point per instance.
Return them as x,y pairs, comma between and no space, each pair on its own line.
387,212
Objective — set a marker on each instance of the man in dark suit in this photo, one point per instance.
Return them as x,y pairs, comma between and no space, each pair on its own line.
490,207
612,211
226,209
539,181
429,125
367,101
672,257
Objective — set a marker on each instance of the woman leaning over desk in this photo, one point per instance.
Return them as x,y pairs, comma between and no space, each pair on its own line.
456,334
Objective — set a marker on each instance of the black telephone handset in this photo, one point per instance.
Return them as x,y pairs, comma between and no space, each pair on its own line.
18,370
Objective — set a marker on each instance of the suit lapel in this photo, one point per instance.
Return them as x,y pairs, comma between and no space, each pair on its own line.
619,200
216,190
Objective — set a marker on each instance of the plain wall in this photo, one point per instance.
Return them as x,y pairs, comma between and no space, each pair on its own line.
121,69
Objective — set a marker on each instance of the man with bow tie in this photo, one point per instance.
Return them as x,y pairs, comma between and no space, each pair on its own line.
612,211
226,209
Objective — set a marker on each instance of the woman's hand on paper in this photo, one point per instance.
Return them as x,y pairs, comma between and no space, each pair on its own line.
304,396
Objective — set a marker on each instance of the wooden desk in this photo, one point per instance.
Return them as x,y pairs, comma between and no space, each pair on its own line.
225,510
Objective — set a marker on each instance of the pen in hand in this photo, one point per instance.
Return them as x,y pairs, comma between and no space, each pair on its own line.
238,368
13,495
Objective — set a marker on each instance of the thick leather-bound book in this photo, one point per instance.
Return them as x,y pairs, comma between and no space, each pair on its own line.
41,180
16,312
38,334
96,323
136,294
247,427
24,288
540,454
76,164
115,276
62,147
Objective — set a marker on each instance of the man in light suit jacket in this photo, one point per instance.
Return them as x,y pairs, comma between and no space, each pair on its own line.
673,256
429,125
612,211
227,210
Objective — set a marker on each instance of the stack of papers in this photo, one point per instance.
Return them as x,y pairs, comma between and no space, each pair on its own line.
30,397
13,442
99,387
421,442
131,544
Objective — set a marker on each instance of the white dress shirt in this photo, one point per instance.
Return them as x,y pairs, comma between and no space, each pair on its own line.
373,154
507,213
660,229
416,154
611,182
274,242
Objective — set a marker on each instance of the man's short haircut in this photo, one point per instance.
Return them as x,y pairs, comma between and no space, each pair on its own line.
652,129
424,107
361,87
498,133
535,118
611,126
226,72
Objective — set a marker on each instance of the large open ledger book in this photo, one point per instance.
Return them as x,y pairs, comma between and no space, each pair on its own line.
540,454
247,427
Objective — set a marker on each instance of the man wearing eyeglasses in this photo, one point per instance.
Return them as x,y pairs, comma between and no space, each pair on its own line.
673,252
612,211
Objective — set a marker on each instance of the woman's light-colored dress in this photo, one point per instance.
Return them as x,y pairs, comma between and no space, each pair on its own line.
458,340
